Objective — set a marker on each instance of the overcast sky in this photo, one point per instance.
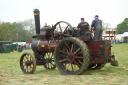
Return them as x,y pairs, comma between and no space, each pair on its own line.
52,11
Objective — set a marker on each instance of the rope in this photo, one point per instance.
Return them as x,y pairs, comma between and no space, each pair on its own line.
121,64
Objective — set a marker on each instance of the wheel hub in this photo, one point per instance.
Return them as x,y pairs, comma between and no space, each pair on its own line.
70,56
27,63
61,34
49,60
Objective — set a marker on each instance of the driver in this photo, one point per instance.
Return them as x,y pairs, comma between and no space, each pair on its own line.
83,27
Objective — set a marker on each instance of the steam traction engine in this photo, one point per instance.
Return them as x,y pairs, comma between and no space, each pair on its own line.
65,48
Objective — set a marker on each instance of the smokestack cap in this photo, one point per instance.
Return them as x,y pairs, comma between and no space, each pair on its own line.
36,11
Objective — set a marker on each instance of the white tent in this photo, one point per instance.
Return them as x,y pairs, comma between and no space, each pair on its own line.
125,34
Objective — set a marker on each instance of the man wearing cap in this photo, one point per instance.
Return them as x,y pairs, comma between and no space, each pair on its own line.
83,27
97,25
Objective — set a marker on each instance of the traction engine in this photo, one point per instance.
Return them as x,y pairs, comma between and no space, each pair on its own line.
64,47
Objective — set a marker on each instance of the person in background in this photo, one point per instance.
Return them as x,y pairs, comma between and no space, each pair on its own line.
25,47
97,25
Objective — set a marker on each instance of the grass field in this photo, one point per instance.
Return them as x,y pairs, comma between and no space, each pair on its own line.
11,74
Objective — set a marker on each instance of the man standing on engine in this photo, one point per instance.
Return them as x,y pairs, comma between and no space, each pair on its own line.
83,27
97,25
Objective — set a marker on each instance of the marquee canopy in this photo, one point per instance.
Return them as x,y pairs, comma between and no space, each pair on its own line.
125,34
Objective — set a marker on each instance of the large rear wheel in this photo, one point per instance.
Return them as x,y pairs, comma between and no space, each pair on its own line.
72,56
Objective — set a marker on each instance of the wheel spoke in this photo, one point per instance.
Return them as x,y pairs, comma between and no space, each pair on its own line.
79,53
65,29
48,65
76,50
27,68
66,49
63,60
30,68
78,57
63,56
30,58
51,55
72,48
52,58
79,61
65,64
48,55
72,68
51,63
68,66
67,46
77,64
60,28
26,58
59,39
63,52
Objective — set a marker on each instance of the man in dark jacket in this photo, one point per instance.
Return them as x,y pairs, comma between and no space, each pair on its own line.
97,25
83,27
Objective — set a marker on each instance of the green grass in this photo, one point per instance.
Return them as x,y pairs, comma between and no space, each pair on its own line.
11,74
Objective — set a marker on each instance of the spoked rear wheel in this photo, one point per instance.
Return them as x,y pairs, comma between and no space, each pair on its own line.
27,63
50,65
72,56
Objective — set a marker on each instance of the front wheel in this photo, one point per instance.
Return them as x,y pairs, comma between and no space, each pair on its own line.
27,63
72,56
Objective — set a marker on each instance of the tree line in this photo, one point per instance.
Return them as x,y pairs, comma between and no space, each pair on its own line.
17,31
122,27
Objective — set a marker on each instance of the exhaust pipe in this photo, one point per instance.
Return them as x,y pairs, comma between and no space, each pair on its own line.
37,21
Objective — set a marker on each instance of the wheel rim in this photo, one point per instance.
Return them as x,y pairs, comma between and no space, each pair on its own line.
70,57
50,65
61,33
27,63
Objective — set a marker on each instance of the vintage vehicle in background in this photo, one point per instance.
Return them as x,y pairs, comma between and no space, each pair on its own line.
64,47
7,46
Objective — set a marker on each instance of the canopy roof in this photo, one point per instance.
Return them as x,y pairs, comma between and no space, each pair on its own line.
125,34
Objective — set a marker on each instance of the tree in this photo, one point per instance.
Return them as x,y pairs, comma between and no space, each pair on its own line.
5,31
122,27
105,25
24,29
29,25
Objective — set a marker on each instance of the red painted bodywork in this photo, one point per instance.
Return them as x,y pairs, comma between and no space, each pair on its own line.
95,50
93,46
